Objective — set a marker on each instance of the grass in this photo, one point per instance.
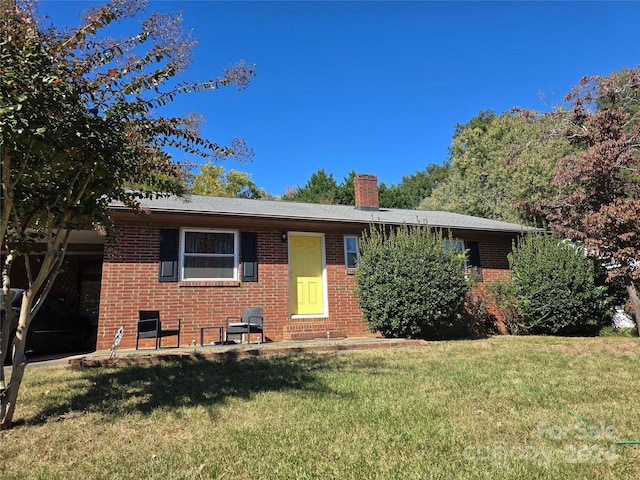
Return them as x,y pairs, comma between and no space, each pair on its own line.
500,408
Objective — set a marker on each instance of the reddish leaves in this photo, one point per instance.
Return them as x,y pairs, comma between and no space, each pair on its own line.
600,200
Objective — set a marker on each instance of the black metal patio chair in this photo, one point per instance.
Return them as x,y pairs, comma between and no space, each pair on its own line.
150,326
251,322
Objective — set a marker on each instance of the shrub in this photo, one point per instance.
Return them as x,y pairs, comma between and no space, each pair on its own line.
477,317
408,283
556,289
505,300
618,332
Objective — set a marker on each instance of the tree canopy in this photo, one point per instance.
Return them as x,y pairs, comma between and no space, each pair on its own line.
81,126
323,188
420,185
498,162
320,188
214,180
598,199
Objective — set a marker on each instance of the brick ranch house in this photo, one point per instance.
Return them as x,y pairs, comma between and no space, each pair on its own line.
203,259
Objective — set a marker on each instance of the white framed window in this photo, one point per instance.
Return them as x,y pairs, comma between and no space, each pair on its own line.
208,254
351,251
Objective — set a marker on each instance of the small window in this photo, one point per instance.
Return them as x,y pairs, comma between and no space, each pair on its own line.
209,255
351,251
457,245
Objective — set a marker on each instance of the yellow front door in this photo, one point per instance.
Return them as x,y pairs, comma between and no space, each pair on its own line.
305,264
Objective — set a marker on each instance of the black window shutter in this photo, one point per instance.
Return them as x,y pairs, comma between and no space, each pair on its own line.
474,254
249,256
168,270
473,263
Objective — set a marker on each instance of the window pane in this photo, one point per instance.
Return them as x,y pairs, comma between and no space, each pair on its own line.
208,267
457,244
209,242
351,251
350,244
352,260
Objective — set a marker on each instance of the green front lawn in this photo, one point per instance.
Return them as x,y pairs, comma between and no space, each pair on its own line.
501,408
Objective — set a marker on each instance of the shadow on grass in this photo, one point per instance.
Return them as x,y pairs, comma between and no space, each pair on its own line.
176,384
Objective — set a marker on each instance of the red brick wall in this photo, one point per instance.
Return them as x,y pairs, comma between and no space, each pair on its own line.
493,256
130,283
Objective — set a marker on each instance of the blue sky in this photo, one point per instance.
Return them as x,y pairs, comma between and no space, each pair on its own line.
378,87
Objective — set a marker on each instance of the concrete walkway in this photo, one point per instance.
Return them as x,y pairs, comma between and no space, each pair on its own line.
132,357
54,360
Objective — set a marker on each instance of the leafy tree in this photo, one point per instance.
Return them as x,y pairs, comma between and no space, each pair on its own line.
461,194
212,180
598,200
393,196
556,288
81,127
498,162
413,189
347,190
420,185
408,284
321,188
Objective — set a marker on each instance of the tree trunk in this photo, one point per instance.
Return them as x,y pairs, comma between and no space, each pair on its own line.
635,303
32,299
9,396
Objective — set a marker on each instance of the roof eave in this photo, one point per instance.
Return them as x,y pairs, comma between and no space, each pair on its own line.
293,218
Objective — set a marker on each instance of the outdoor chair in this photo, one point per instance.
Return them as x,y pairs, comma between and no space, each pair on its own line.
251,322
150,326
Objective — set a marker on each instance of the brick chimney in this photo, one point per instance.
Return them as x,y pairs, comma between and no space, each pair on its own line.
366,190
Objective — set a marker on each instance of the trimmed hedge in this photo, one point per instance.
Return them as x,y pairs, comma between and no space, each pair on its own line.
408,284
557,289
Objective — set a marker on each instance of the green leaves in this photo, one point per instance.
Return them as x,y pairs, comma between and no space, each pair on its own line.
557,288
499,163
407,285
212,180
598,202
320,188
80,124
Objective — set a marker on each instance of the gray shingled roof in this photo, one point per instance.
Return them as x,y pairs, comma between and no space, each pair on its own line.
273,209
